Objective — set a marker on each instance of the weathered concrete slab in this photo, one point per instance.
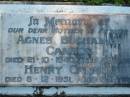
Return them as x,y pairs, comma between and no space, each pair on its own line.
69,91
64,46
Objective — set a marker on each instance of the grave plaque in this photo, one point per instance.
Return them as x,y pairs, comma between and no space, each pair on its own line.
44,49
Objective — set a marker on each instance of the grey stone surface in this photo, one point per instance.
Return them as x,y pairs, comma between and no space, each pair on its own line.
64,45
